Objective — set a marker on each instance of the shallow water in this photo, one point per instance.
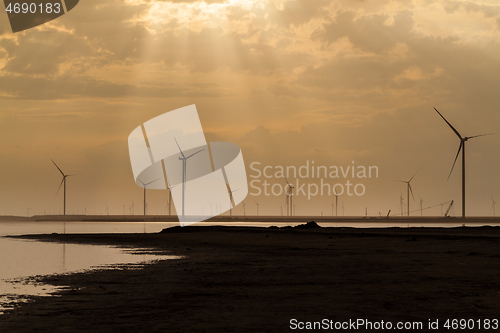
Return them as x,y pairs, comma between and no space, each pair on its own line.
20,259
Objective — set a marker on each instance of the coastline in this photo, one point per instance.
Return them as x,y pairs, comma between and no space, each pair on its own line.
250,279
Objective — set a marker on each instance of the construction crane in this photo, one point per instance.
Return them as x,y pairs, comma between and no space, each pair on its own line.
448,209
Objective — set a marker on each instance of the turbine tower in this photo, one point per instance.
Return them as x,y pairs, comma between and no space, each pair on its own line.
184,171
145,192
408,190
257,206
62,181
462,148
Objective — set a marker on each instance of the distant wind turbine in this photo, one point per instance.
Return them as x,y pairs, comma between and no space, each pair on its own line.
493,206
211,212
62,181
145,193
462,148
401,203
231,200
184,171
257,206
421,207
244,209
170,197
289,198
408,190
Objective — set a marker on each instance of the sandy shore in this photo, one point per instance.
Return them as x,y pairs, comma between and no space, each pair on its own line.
238,279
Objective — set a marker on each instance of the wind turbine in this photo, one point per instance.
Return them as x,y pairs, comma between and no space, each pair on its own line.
132,208
257,206
408,190
62,181
28,212
336,204
332,207
401,203
244,209
493,206
184,171
289,198
231,200
170,197
461,147
145,193
421,207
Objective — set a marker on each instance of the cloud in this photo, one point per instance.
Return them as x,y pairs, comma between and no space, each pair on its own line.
369,33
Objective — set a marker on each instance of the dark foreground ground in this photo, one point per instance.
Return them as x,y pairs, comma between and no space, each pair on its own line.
237,279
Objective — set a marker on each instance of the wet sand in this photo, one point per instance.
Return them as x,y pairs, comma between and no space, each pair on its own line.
240,279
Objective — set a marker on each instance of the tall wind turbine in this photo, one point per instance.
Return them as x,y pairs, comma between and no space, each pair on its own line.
408,190
184,171
461,147
62,181
257,206
244,209
145,192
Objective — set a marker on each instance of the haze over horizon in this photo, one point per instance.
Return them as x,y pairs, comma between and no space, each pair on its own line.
340,83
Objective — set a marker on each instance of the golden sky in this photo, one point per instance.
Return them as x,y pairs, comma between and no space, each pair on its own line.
290,81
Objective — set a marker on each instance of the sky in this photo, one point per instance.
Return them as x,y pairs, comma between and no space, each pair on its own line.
340,83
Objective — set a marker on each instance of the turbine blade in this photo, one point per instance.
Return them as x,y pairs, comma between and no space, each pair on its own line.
411,191
453,128
286,181
199,151
62,181
151,181
58,167
414,175
456,157
179,148
401,181
476,136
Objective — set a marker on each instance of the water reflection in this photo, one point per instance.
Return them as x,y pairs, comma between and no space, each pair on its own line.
20,259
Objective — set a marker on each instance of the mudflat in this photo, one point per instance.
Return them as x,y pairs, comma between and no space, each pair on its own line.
241,279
